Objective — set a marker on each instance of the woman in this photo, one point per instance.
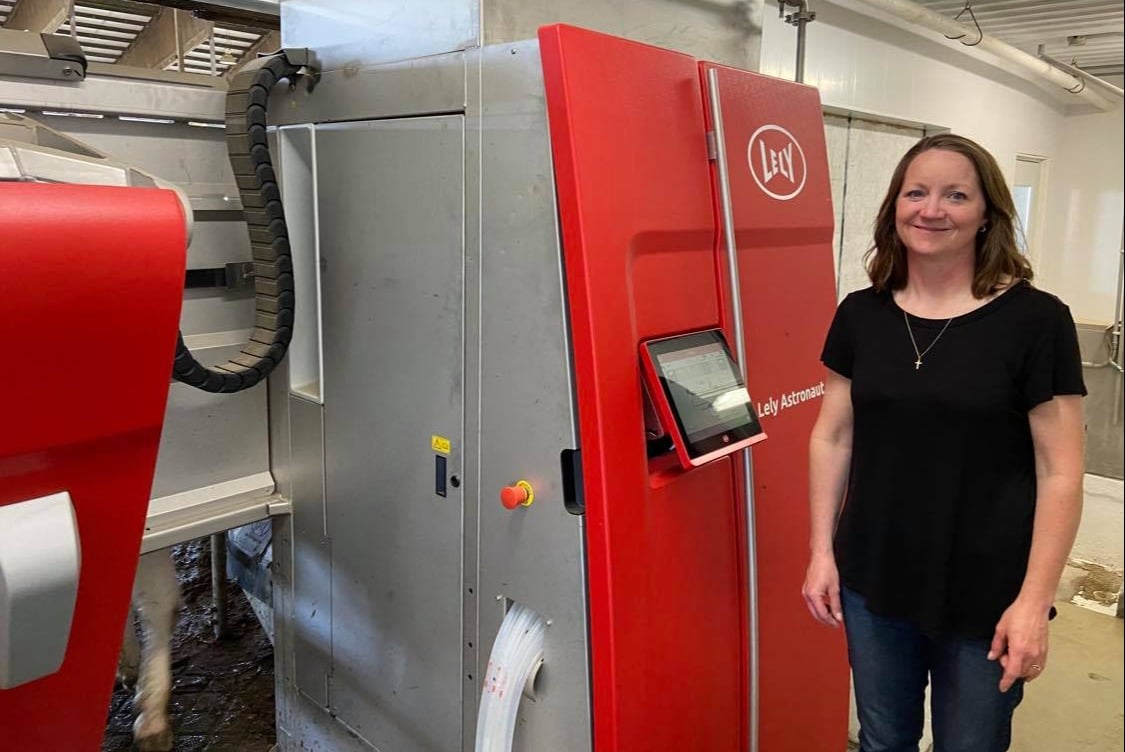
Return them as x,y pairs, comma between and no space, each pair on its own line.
951,435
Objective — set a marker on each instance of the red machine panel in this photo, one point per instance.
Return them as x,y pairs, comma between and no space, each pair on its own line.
782,204
91,280
666,547
665,550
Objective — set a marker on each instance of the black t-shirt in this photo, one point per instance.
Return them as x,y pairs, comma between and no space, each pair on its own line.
937,519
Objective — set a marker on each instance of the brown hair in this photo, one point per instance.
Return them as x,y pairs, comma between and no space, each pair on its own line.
997,255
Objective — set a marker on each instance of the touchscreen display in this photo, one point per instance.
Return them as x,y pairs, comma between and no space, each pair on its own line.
706,393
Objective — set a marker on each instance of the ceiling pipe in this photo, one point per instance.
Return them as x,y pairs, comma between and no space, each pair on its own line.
921,16
1086,76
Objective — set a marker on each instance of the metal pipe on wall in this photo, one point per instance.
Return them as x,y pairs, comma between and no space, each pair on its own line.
219,583
1089,78
800,73
917,14
801,19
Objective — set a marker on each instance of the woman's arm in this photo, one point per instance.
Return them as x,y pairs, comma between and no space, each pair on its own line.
1020,641
830,452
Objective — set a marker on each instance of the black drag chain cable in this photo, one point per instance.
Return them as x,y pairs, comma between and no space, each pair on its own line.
246,103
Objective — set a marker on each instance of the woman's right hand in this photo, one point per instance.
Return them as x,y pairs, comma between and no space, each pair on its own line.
822,589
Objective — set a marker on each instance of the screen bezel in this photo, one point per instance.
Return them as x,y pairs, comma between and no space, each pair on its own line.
694,453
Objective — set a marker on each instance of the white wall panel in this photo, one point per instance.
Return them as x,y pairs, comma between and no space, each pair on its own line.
863,65
873,151
1078,257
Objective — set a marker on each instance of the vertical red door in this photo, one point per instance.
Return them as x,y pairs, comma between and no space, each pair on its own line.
665,548
780,195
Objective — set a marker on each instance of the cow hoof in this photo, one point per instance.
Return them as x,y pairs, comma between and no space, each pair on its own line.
161,742
152,739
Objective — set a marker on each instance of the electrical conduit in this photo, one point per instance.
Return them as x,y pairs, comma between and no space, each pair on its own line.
922,16
516,655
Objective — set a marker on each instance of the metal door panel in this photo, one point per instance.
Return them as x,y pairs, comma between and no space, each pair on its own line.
532,555
390,200
312,581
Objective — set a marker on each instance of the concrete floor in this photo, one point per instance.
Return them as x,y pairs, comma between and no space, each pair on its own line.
1077,704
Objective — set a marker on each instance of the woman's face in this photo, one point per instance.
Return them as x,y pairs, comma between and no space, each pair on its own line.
940,208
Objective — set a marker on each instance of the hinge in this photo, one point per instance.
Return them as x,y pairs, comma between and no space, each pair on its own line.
712,149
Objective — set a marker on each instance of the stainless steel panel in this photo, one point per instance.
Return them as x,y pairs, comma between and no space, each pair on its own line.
193,158
354,33
211,509
217,347
471,649
210,438
312,580
120,96
215,243
296,164
390,199
20,42
722,32
302,639
280,451
302,725
533,555
210,309
151,75
435,85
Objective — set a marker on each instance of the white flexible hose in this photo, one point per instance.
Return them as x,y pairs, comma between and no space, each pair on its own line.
516,653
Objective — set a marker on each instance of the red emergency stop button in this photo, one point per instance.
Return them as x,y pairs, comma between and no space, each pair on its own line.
519,495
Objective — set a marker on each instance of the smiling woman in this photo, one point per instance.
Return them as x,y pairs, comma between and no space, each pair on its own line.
940,209
952,425
948,187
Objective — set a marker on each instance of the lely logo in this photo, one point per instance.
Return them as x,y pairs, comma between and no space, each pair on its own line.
776,162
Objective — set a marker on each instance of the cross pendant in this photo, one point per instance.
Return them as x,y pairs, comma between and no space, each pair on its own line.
917,364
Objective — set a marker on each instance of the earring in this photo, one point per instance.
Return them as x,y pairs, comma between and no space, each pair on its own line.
983,229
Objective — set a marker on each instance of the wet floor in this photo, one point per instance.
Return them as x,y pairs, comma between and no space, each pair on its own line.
222,692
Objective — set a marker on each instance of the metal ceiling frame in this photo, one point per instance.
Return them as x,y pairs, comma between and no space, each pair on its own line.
206,38
1085,34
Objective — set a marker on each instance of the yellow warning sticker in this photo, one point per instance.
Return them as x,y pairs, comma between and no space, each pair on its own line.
441,444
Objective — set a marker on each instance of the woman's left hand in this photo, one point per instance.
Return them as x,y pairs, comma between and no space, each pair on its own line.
1020,643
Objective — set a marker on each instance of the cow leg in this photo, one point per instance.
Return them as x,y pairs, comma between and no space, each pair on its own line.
156,597
129,662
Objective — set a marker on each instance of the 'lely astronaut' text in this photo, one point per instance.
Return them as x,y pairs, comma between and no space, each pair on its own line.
775,405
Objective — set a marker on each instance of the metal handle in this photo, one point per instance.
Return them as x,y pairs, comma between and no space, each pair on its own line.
740,353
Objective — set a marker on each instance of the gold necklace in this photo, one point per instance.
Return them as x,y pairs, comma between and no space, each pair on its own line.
918,355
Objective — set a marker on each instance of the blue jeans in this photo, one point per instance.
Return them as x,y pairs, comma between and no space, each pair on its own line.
891,663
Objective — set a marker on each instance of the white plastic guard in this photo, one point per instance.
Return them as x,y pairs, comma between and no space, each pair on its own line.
39,565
